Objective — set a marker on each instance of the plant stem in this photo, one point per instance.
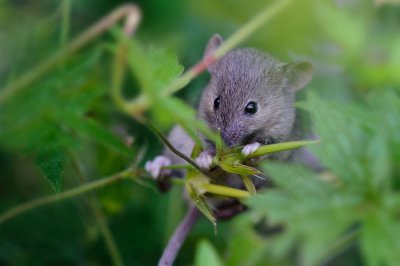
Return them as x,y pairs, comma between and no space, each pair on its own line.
179,236
128,10
267,149
11,213
118,74
66,14
225,191
174,150
106,232
100,218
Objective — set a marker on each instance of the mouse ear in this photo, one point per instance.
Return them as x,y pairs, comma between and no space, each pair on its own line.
213,43
298,75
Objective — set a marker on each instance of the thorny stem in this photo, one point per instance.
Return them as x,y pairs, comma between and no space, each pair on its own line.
179,236
11,213
99,216
133,17
174,150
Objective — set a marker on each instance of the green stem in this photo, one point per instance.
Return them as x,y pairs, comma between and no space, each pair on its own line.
225,191
100,218
118,74
174,150
11,213
66,13
106,232
272,148
130,11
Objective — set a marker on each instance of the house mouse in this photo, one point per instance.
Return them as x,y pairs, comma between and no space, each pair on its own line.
249,99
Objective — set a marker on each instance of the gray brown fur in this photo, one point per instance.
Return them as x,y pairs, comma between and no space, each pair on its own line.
239,77
245,75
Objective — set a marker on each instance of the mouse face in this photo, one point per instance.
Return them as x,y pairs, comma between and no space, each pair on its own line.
250,97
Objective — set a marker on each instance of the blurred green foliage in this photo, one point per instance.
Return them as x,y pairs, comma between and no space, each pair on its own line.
65,125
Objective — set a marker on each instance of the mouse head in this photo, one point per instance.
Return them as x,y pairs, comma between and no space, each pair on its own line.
250,95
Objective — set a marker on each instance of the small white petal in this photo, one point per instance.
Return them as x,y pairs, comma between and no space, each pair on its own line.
147,166
250,148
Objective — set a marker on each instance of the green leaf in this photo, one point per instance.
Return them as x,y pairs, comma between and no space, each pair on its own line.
344,28
196,192
249,184
154,68
51,164
337,150
206,255
225,191
237,168
164,67
380,240
312,211
92,130
33,118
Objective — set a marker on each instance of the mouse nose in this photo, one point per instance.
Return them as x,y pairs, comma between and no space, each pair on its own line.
231,137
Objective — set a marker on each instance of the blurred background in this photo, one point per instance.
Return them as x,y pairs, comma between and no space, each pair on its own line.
45,147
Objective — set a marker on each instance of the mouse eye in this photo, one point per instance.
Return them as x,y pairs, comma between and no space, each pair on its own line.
251,108
217,102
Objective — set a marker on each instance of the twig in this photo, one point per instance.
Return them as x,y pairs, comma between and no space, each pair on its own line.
179,236
128,10
11,213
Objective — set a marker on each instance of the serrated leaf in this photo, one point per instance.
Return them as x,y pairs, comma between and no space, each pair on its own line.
165,67
92,130
31,119
51,164
206,255
337,150
380,240
312,211
154,68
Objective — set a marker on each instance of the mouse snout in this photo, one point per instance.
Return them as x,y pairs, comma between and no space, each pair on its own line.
231,136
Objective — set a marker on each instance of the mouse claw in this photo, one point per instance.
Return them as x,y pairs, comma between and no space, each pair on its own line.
250,148
154,168
204,160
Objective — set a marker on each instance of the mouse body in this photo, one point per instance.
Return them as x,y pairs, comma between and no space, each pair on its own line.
249,100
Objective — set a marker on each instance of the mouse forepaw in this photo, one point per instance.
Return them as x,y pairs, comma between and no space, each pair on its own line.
154,168
250,148
204,160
